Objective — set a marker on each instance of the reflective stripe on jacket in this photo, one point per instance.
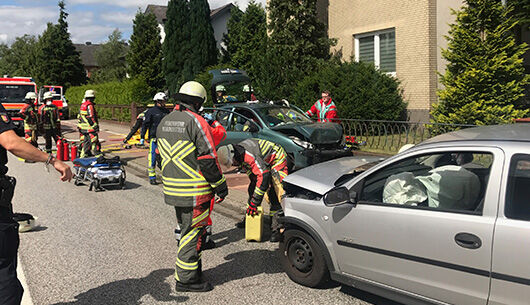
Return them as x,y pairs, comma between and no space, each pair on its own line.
49,117
324,113
30,115
190,170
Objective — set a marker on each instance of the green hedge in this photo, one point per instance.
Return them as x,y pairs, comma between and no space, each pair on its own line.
111,93
358,90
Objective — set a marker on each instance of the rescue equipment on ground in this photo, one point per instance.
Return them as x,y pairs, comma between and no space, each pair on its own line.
254,226
60,149
73,152
66,151
99,171
26,222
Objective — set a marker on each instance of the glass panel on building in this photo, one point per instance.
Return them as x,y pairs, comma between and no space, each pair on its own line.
366,49
387,51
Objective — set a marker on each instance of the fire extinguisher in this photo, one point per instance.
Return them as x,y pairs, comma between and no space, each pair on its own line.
73,153
66,151
60,150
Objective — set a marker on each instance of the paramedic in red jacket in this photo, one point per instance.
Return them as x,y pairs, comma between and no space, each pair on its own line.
324,109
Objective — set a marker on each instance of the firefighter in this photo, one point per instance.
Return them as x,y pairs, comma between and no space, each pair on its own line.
266,165
31,118
249,93
88,126
222,97
191,178
49,119
324,109
152,118
137,125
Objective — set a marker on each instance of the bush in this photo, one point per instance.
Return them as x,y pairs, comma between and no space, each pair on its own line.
358,90
111,93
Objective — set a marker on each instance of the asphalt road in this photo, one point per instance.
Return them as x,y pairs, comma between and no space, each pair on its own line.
118,247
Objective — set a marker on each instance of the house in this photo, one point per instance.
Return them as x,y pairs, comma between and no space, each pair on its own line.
218,18
87,51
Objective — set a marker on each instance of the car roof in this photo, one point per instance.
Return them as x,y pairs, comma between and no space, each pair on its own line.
253,105
519,132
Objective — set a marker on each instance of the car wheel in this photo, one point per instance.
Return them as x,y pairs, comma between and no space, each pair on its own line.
302,259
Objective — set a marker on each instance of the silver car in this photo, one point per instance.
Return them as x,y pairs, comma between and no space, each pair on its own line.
444,222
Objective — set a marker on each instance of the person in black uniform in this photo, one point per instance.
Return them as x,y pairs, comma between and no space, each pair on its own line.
10,288
152,118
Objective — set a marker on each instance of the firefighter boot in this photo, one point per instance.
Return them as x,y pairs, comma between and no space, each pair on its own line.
193,287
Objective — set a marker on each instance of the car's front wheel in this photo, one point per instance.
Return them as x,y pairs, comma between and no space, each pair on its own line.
302,259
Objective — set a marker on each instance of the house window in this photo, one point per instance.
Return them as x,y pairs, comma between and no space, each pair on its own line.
378,48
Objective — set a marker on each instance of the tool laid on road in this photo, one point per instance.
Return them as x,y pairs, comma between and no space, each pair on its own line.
26,222
99,171
254,226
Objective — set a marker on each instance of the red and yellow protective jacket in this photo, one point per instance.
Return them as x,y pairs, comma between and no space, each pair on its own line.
88,117
324,112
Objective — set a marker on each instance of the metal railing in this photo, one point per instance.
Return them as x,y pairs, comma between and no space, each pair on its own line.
390,136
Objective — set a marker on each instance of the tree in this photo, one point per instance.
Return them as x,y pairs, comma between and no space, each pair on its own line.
145,54
297,42
203,46
110,57
252,39
484,80
231,39
20,58
177,47
58,61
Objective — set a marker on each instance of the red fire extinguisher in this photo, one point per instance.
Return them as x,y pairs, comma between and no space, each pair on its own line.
66,151
60,150
73,153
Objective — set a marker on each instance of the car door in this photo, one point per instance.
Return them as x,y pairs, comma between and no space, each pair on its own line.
511,248
398,237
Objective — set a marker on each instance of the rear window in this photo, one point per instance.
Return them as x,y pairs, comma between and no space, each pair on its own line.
518,189
14,93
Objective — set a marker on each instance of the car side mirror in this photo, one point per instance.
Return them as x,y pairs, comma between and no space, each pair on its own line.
339,196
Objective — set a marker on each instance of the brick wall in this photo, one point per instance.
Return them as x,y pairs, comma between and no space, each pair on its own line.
414,22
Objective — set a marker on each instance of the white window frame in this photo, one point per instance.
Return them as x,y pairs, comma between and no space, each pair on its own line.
377,53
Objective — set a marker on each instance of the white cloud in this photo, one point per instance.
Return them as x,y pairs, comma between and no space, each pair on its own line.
119,18
16,21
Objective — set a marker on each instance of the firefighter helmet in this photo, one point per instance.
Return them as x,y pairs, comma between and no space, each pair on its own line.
247,89
192,93
90,93
225,156
48,95
160,96
31,96
220,88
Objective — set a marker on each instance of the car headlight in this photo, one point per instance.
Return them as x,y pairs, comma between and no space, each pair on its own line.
301,143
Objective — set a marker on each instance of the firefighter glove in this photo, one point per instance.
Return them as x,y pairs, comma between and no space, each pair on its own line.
252,208
222,190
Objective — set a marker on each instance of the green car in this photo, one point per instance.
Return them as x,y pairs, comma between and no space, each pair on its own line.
237,109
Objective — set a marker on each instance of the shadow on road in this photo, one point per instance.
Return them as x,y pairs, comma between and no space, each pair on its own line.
228,236
244,264
366,296
130,291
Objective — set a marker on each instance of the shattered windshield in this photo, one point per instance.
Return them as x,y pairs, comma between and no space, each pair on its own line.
276,116
358,170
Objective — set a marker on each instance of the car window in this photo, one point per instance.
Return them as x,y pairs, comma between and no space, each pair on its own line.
274,116
452,181
240,122
518,188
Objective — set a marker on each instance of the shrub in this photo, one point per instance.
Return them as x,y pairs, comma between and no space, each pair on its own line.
111,93
359,91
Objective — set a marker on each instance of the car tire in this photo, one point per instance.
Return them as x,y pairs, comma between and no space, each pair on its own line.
303,259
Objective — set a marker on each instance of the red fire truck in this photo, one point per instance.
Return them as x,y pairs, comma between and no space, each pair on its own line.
58,99
12,93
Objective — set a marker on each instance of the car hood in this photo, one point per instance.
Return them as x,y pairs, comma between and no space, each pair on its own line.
320,178
316,133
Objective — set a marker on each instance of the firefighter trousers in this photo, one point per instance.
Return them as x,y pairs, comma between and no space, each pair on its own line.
90,145
48,135
30,134
151,159
192,222
273,196
10,288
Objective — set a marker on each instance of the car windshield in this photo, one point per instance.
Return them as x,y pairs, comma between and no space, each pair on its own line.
358,170
276,116
14,93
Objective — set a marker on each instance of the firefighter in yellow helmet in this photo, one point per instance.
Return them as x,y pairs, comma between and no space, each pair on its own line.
30,115
191,177
49,118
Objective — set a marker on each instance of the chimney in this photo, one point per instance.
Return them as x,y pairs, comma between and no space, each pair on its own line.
88,43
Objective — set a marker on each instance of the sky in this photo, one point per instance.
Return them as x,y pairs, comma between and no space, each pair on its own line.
88,20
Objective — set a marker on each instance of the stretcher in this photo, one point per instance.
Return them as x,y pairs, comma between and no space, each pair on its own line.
98,172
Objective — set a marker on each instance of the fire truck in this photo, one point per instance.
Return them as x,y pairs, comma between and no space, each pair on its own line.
58,99
12,94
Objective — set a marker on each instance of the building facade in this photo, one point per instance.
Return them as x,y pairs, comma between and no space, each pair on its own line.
402,38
